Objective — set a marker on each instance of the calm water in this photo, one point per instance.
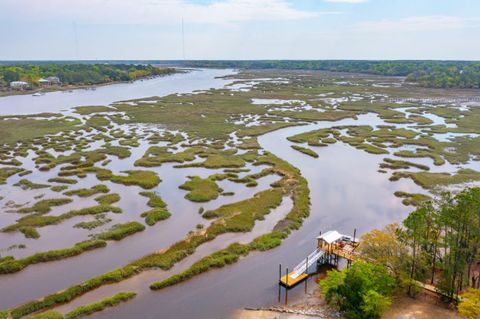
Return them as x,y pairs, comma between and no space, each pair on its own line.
202,79
347,192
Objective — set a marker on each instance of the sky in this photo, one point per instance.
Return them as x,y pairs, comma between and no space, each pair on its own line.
239,29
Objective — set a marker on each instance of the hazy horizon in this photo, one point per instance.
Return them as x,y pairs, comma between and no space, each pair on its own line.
180,61
240,30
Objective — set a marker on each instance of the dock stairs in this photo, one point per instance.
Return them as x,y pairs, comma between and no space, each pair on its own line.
299,272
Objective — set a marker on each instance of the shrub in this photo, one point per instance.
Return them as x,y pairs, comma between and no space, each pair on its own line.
361,291
469,305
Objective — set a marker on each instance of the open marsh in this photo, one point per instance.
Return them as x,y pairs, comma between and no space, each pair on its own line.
230,159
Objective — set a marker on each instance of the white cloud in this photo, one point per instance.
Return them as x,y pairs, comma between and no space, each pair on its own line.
154,11
425,23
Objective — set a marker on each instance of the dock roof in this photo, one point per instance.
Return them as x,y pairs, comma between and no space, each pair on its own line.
330,236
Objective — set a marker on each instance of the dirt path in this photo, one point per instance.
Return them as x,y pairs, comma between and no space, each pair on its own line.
423,307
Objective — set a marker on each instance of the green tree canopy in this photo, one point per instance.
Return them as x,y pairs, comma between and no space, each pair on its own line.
361,291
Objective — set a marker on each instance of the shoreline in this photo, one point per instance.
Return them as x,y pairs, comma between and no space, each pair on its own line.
72,87
312,305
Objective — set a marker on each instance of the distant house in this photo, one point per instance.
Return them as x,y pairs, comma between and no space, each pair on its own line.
43,82
54,80
19,84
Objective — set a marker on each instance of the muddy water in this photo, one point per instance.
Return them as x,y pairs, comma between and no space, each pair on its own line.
202,79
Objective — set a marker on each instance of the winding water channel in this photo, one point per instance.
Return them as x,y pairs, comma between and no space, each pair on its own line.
347,192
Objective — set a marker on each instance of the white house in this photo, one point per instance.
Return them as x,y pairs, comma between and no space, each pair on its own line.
19,84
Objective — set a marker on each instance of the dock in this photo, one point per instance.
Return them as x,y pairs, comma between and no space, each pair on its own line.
289,281
330,247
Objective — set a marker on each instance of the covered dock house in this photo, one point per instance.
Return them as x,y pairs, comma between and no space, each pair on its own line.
331,246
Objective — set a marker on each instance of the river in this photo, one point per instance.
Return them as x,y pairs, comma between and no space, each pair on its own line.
198,79
347,192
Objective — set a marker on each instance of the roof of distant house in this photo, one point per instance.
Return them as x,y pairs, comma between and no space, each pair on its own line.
18,83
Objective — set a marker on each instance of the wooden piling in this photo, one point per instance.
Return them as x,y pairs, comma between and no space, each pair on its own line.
286,289
279,282
306,272
286,276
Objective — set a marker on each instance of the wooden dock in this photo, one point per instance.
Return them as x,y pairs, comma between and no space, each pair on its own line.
330,246
288,281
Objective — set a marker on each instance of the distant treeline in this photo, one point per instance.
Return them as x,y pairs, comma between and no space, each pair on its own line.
78,73
440,74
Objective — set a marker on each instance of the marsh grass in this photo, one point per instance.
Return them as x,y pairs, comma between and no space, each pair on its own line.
36,220
156,156
11,266
52,314
292,183
58,188
396,164
87,110
223,159
120,231
304,150
26,184
431,180
6,172
44,206
159,211
144,179
87,192
100,220
107,199
201,189
413,199
29,232
63,180
13,130
101,305
118,151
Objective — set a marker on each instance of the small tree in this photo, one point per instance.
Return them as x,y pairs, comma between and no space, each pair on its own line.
361,291
383,247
